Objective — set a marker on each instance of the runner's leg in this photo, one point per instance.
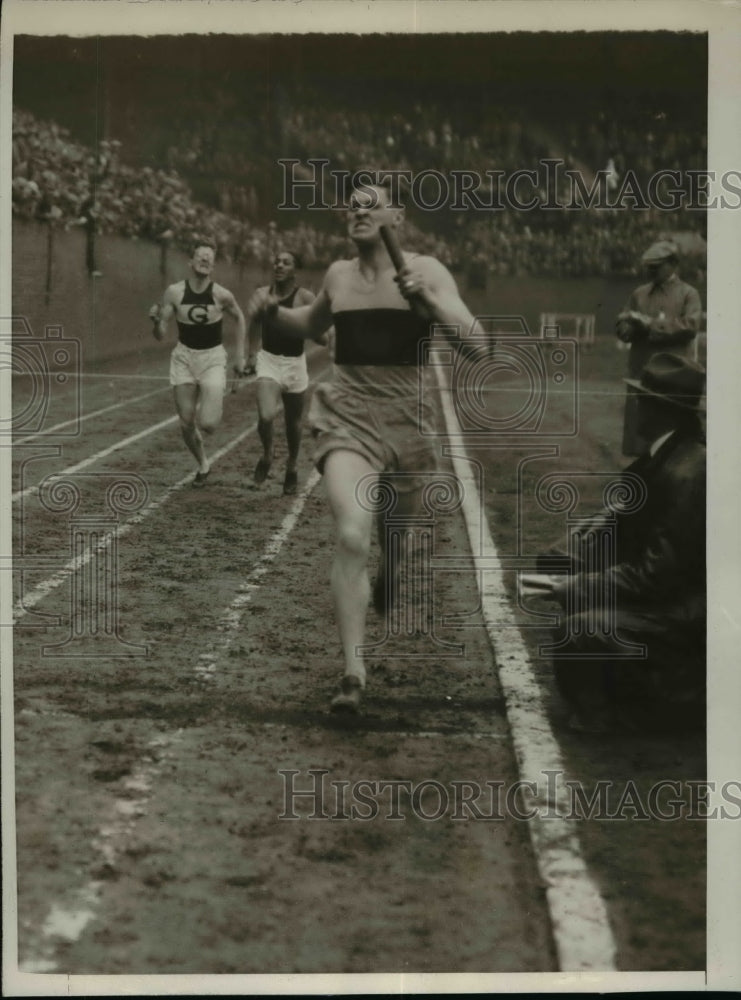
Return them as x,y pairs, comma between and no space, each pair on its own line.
210,406
387,583
268,403
350,587
293,408
186,401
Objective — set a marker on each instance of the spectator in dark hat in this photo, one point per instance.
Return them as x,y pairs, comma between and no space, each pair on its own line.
647,587
663,314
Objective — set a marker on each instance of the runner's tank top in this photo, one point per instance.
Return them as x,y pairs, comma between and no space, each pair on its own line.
199,318
377,351
276,342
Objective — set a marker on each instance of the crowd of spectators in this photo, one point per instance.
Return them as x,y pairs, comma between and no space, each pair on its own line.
637,137
55,178
226,152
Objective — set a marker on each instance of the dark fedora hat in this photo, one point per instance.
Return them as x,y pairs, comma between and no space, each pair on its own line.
673,379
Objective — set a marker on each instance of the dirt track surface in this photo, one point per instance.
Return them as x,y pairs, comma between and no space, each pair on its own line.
158,791
149,788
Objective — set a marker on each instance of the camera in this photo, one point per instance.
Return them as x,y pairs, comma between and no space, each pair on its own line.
46,383
508,383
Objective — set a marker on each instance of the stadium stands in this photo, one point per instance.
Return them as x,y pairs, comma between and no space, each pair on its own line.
229,159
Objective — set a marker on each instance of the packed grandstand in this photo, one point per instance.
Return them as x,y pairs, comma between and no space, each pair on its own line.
211,167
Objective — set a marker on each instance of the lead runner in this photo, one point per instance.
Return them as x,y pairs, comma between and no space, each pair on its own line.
370,417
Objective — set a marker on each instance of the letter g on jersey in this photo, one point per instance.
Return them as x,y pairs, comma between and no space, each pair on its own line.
198,313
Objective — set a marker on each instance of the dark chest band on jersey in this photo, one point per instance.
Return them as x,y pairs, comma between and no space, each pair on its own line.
379,336
282,344
200,338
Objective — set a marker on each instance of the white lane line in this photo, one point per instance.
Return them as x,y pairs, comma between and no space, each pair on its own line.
133,376
33,490
527,388
64,922
67,918
311,349
88,416
33,597
421,734
425,734
581,929
227,627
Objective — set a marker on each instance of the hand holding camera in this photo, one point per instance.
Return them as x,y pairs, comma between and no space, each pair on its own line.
632,327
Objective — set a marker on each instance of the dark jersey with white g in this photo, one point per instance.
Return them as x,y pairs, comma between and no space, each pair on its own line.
199,318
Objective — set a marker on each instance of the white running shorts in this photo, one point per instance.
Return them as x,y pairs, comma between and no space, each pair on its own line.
191,367
290,373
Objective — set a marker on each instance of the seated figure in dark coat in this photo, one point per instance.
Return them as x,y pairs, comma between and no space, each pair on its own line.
635,608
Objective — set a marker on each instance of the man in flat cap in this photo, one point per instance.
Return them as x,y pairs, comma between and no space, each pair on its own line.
664,314
635,609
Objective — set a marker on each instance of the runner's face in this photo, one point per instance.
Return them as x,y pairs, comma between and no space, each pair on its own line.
370,209
202,262
283,266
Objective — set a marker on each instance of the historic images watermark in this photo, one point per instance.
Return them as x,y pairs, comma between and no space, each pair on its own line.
408,507
47,413
517,393
313,795
47,396
534,380
553,186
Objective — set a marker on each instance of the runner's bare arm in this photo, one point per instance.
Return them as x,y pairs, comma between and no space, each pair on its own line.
426,281
308,322
253,315
166,311
230,306
306,297
254,343
256,304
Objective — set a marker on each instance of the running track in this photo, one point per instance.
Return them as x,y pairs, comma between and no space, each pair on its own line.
127,430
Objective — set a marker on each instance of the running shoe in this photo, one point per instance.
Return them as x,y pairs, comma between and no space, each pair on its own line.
348,698
290,484
261,471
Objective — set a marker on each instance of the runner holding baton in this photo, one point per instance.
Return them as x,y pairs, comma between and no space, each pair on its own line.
393,248
377,414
